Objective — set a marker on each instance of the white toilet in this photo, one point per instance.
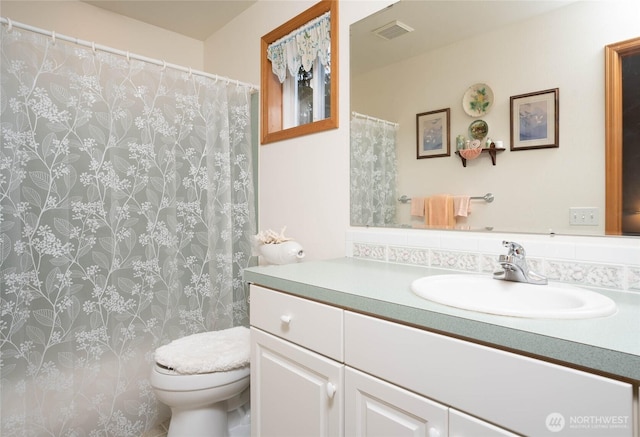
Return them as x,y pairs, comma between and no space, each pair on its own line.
204,379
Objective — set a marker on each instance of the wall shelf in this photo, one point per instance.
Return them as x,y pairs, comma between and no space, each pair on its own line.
493,151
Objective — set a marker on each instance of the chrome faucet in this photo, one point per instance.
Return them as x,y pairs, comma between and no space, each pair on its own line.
515,268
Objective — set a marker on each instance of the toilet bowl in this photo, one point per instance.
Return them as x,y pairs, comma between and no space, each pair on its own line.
204,379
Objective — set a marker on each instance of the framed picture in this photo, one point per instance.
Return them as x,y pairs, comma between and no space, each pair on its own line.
534,120
433,134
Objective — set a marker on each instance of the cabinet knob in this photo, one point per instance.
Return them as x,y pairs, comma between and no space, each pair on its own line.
331,390
285,319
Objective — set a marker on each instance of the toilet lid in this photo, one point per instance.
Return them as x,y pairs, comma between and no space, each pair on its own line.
216,351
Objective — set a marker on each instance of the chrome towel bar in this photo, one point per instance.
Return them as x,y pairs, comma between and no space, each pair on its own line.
487,198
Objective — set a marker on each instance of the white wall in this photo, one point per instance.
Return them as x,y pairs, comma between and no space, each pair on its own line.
563,49
86,22
303,182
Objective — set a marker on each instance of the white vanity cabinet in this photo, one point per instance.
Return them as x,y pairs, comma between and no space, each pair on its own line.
374,407
522,394
463,425
318,370
295,391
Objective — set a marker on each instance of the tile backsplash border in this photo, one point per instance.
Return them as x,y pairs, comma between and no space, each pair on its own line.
604,262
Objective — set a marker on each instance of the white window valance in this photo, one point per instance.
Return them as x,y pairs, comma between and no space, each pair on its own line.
301,48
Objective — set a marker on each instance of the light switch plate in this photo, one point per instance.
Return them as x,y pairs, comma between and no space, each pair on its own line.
583,216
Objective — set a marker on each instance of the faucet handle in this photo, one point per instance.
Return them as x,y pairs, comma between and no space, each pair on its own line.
514,248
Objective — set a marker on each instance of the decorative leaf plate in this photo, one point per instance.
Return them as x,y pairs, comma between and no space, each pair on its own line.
477,100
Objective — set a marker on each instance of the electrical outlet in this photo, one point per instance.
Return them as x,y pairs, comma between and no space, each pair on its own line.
583,216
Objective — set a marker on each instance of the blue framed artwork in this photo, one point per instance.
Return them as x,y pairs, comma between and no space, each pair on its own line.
433,134
535,120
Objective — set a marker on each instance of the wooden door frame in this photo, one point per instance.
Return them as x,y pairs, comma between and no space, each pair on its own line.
613,131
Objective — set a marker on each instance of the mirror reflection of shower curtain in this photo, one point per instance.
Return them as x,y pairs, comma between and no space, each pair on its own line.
127,213
373,172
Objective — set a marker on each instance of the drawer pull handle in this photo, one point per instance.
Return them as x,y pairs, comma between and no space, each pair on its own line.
331,390
285,319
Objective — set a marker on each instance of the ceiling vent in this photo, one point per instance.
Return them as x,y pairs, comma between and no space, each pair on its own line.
392,30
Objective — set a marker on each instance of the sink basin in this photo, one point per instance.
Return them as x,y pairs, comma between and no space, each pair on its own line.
487,295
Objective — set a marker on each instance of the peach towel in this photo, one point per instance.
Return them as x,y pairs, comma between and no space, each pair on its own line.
440,211
417,206
461,206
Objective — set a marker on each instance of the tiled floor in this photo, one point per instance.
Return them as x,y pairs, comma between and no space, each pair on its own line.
158,431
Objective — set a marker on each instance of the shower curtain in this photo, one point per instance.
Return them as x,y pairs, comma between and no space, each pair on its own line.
373,172
126,217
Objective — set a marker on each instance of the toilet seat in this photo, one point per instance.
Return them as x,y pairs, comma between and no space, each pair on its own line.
204,379
163,379
206,352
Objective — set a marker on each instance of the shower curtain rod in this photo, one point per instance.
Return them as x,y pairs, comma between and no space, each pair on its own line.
93,46
368,117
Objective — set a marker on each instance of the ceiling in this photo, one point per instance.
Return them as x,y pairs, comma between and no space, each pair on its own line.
197,19
436,24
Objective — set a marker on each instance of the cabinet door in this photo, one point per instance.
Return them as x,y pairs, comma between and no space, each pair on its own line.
294,392
519,393
376,408
463,425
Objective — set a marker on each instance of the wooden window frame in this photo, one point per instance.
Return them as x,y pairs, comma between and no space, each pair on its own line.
271,129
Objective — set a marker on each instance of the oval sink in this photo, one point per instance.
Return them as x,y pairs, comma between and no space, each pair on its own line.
488,295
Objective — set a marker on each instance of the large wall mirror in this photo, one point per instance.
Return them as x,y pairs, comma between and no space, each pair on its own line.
431,52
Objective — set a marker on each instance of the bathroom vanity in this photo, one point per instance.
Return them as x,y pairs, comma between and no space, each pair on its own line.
344,348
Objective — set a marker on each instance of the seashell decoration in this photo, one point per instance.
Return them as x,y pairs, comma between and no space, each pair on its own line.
277,249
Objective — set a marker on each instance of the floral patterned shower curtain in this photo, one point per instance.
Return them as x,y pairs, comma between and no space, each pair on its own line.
373,172
127,210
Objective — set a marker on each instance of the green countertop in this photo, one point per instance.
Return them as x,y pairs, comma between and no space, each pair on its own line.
609,345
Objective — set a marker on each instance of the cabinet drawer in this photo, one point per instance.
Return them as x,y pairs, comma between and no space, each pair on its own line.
310,324
463,425
523,394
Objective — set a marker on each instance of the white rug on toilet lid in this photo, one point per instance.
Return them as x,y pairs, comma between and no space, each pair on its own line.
216,351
